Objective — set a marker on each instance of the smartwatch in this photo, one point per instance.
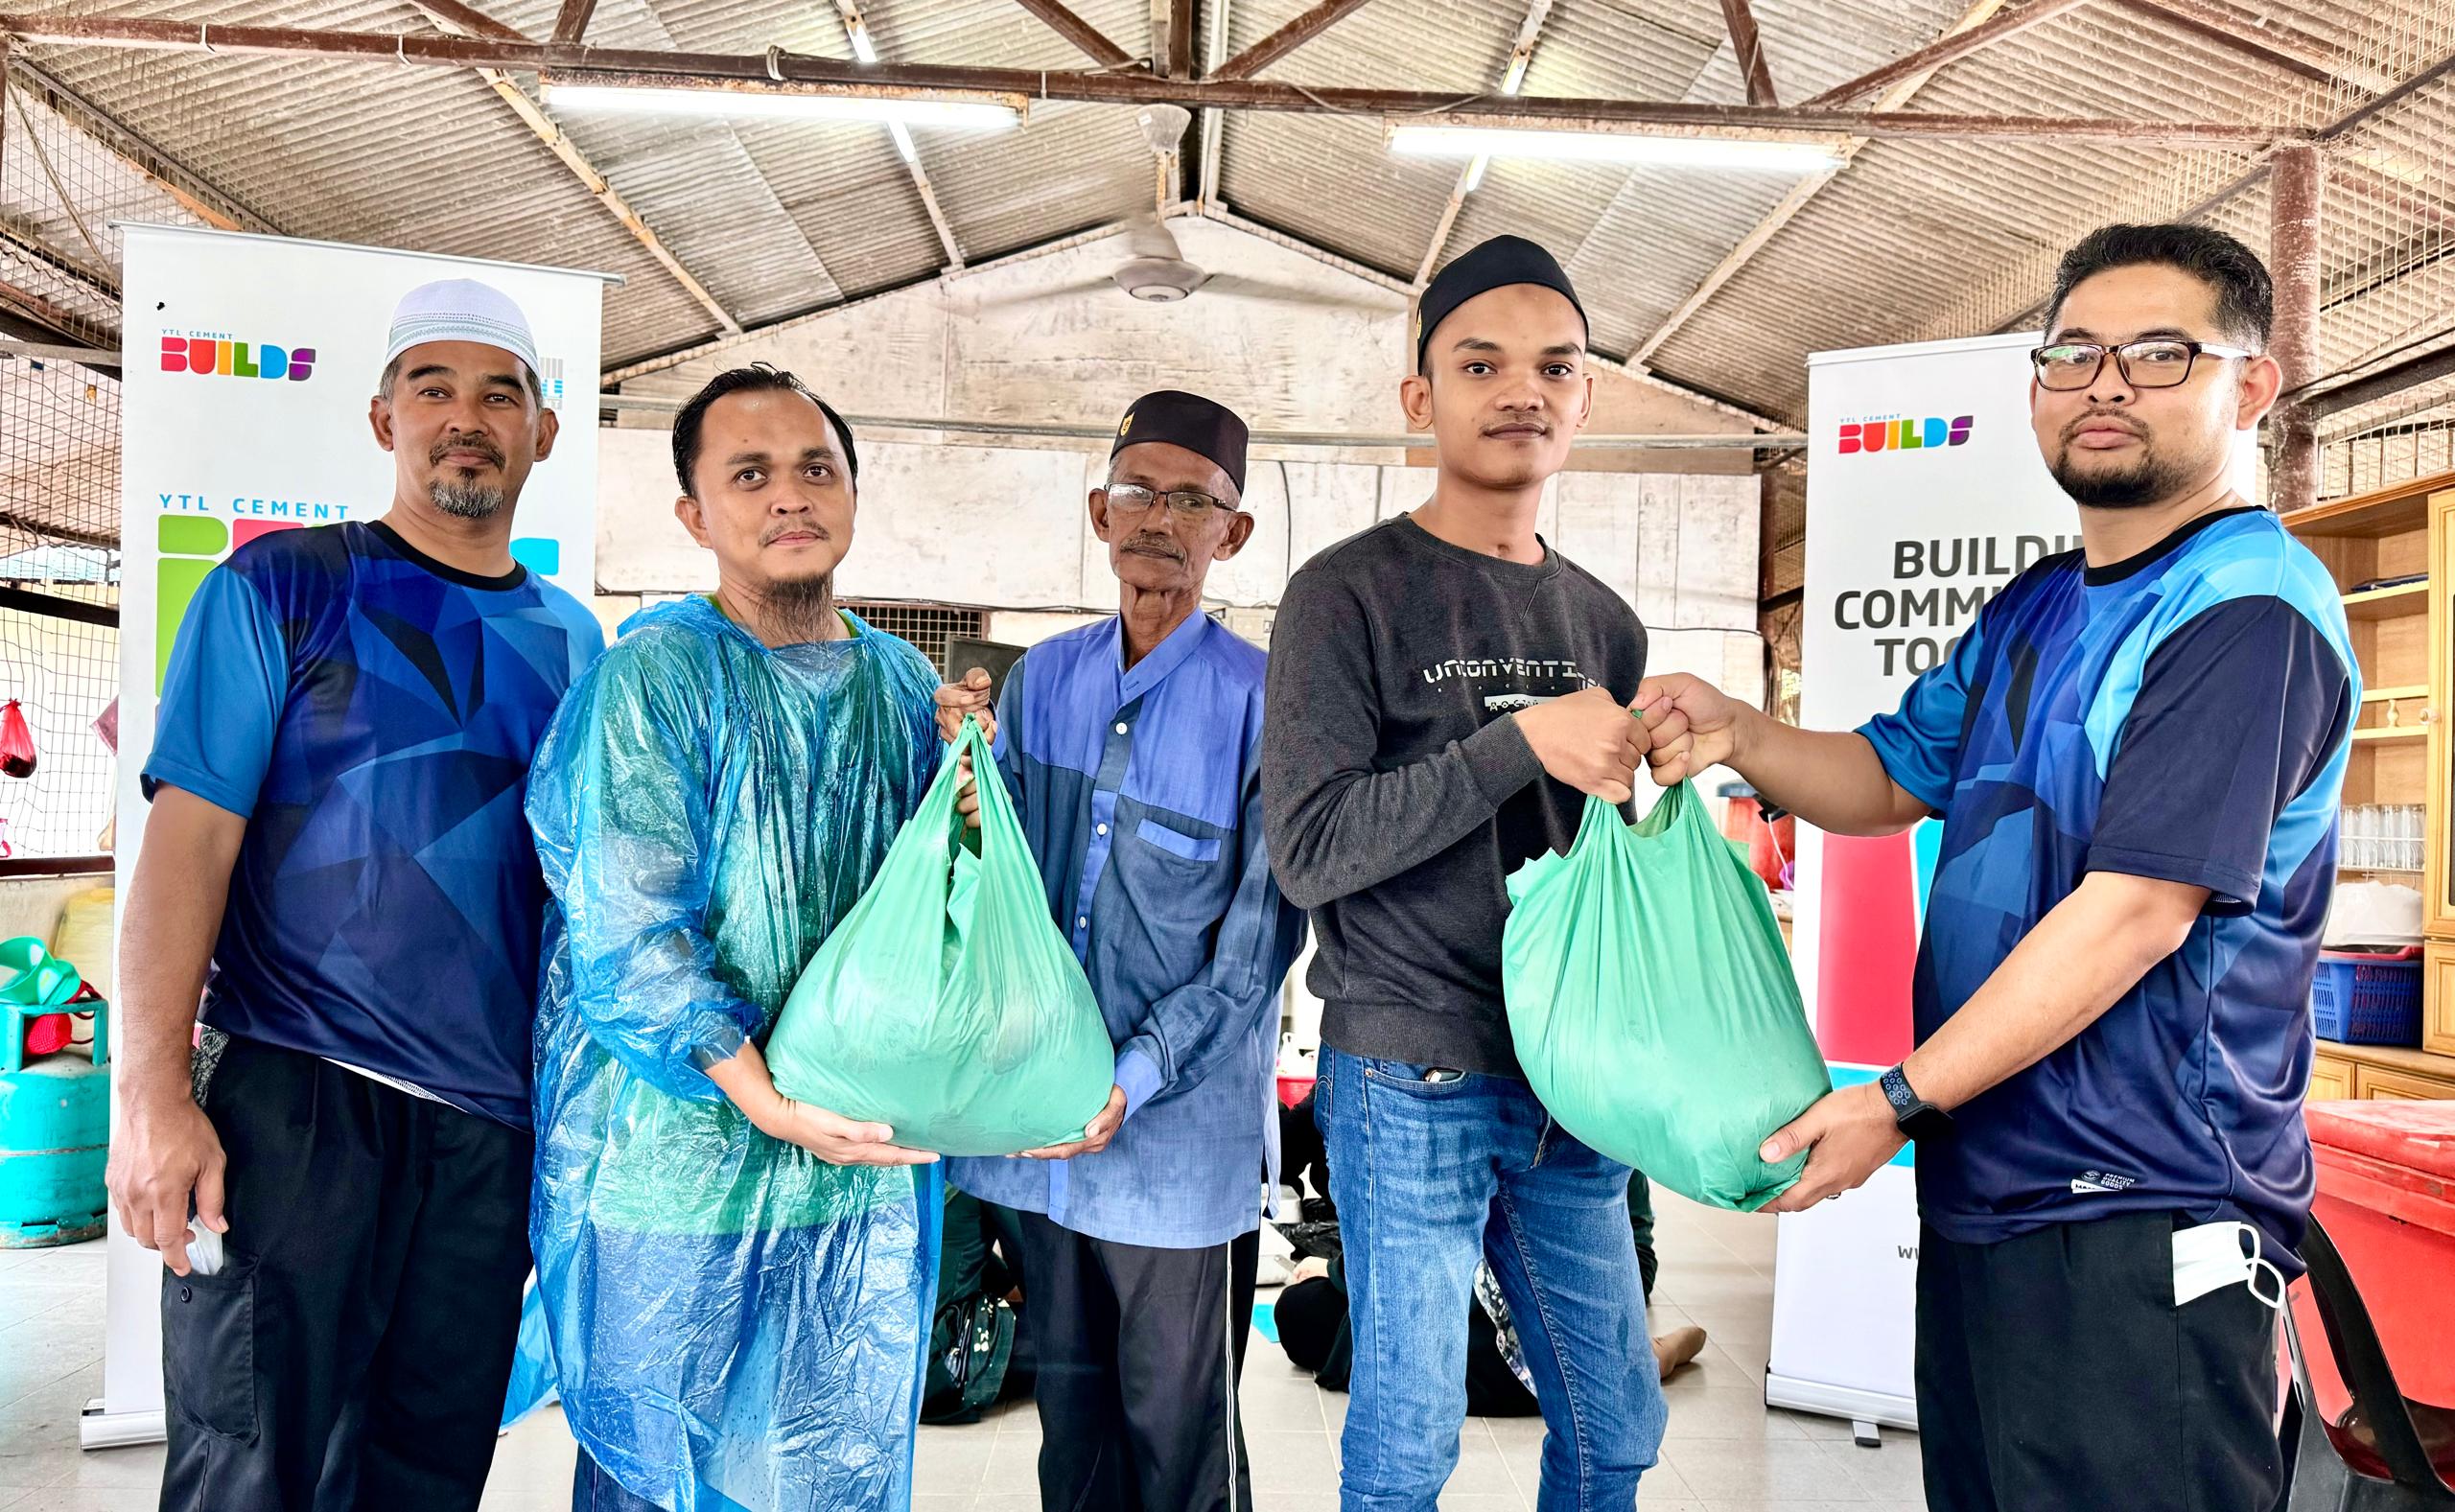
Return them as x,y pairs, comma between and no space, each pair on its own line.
1916,1117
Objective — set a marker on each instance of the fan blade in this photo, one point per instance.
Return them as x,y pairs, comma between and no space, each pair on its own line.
1238,287
1093,284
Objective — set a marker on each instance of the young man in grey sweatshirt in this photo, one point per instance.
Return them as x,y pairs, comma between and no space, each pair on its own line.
1444,689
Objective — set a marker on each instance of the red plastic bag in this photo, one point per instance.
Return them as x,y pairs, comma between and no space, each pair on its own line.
16,742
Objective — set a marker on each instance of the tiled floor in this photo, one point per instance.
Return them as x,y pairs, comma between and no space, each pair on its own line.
1724,1452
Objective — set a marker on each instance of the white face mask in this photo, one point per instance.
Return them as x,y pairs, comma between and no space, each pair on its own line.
2214,1256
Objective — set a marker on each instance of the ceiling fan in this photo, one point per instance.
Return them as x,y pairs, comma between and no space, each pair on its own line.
1156,269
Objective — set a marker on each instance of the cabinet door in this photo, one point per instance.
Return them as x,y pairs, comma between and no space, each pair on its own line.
2331,1079
2437,1000
2370,1082
2437,880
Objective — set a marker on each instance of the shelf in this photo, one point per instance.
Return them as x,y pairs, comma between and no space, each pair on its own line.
2387,512
2391,1058
2380,870
2393,696
2400,732
2388,603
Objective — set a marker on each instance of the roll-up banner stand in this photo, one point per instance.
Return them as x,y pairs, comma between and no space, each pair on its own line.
1926,495
248,362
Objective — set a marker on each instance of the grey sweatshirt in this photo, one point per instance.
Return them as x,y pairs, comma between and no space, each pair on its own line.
1399,794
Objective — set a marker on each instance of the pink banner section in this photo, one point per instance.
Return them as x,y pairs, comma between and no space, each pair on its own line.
1868,946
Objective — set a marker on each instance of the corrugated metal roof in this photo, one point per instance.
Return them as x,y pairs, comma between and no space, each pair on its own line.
1914,237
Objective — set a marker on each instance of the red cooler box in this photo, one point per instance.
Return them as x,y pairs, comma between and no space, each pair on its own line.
2387,1196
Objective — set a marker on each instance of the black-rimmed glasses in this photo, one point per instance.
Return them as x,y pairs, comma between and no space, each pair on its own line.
2158,363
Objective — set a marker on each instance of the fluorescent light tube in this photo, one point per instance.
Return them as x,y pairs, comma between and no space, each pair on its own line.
1610,147
735,103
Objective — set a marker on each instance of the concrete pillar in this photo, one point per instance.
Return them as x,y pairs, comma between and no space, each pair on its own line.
2296,186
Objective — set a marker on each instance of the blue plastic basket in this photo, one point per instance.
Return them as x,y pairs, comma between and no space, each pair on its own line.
2367,1000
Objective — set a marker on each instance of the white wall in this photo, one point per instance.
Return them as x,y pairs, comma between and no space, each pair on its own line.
1006,529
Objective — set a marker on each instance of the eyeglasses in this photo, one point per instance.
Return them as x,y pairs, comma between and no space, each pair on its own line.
1190,505
2161,362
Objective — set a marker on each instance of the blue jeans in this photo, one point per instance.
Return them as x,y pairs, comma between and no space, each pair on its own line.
1429,1178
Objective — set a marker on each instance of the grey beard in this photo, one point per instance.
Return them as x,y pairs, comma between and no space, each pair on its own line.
799,609
468,501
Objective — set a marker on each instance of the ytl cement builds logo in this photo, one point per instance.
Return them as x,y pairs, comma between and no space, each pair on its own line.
1861,436
220,356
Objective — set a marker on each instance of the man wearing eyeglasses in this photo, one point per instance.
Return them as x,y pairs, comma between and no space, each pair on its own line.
2138,754
1132,749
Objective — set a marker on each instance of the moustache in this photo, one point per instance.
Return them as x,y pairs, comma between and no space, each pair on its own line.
1154,545
2106,419
775,533
478,444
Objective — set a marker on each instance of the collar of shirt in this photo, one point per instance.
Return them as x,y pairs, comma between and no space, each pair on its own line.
1165,658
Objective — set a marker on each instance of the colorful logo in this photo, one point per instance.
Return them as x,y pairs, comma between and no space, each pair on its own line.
1904,435
226,359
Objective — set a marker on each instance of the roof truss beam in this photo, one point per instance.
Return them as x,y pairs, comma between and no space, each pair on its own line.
570,23
798,73
1747,47
1288,39
1948,49
2294,54
1796,200
454,15
1084,37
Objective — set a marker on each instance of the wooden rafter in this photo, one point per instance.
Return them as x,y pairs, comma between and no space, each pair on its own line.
800,73
1286,39
570,23
1521,58
1086,37
1747,47
2217,25
456,17
1179,41
1796,200
1950,49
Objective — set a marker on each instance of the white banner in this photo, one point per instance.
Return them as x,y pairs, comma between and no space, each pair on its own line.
248,365
1926,495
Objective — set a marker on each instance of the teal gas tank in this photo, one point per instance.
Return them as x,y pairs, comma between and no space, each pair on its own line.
54,1123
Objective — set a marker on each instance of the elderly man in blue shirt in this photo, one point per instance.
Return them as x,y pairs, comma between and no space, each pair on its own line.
1132,748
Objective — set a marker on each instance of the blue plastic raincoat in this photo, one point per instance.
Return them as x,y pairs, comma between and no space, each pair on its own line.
736,1323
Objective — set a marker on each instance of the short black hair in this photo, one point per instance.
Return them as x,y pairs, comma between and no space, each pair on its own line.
392,375
757,377
2245,293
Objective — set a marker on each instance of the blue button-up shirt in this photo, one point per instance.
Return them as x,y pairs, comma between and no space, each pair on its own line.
1140,788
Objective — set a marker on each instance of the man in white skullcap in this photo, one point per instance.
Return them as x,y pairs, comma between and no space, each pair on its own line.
337,1179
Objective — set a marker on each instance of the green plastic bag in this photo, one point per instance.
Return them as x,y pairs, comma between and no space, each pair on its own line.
946,1005
1653,1005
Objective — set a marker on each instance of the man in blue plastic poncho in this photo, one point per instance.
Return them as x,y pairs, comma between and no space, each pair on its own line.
736,1285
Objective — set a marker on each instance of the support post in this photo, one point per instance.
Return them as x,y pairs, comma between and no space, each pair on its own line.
2300,176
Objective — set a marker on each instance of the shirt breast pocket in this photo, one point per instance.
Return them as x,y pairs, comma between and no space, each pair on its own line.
1185,847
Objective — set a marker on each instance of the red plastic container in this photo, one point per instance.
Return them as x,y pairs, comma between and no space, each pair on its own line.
1292,1089
2387,1196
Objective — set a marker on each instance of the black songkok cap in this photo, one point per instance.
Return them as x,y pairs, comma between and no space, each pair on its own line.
1496,264
1199,424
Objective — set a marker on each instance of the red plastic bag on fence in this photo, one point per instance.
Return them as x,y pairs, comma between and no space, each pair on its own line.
16,742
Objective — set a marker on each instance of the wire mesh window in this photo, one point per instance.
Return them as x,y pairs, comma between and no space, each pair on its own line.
927,626
63,674
60,540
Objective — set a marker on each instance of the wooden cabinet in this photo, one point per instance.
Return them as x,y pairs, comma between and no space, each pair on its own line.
2331,1077
2373,1082
2437,1000
2392,555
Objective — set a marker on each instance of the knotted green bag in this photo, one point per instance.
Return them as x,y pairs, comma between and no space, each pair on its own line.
1653,1005
946,1005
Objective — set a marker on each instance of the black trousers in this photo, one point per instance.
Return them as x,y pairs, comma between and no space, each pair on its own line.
353,1351
1139,1352
2055,1371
